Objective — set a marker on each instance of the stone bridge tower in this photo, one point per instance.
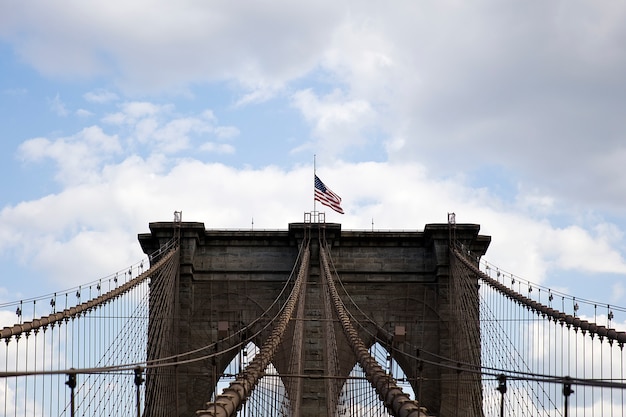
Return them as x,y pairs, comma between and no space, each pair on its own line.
400,279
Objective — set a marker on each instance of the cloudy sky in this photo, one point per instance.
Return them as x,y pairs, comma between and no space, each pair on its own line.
510,114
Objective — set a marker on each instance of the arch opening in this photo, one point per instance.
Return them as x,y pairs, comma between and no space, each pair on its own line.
269,397
358,398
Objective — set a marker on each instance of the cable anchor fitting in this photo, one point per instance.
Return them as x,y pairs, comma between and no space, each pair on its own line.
139,376
567,387
502,384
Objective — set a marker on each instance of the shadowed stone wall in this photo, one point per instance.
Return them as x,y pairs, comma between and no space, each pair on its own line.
229,278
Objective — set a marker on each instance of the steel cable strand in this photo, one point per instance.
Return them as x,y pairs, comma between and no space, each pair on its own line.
381,330
358,308
137,265
453,364
332,361
493,371
513,376
460,270
160,316
75,311
467,277
498,339
466,313
131,366
232,398
554,314
254,371
118,352
82,312
565,296
93,385
114,368
295,361
385,385
132,348
110,352
175,359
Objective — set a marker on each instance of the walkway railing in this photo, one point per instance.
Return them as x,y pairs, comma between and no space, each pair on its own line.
538,360
85,359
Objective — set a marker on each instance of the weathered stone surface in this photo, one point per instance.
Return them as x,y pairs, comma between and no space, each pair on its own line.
396,278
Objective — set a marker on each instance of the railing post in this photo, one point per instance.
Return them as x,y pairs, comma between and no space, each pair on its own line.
567,391
138,381
71,382
502,389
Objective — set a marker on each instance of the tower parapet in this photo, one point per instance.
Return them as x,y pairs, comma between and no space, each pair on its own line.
400,280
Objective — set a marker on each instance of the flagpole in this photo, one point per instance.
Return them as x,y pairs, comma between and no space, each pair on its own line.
314,174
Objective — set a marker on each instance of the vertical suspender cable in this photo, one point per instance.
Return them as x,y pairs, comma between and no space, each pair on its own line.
71,383
600,338
26,367
621,370
238,391
6,380
138,381
584,375
17,357
43,367
611,351
502,389
385,386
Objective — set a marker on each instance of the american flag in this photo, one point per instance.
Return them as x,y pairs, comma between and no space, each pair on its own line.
325,196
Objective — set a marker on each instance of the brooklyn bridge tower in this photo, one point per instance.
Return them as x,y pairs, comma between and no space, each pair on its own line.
314,300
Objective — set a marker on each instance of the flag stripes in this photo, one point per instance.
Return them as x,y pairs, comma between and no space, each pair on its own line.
324,195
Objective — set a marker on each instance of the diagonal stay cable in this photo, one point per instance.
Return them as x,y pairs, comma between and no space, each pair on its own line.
493,371
454,364
397,401
554,314
233,397
71,312
176,359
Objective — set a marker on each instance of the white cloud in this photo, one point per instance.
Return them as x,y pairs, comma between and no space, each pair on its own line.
338,122
121,198
100,96
226,132
175,134
83,113
106,38
443,87
577,249
77,157
259,94
57,106
162,129
542,98
220,148
617,294
532,99
440,90
534,201
135,110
